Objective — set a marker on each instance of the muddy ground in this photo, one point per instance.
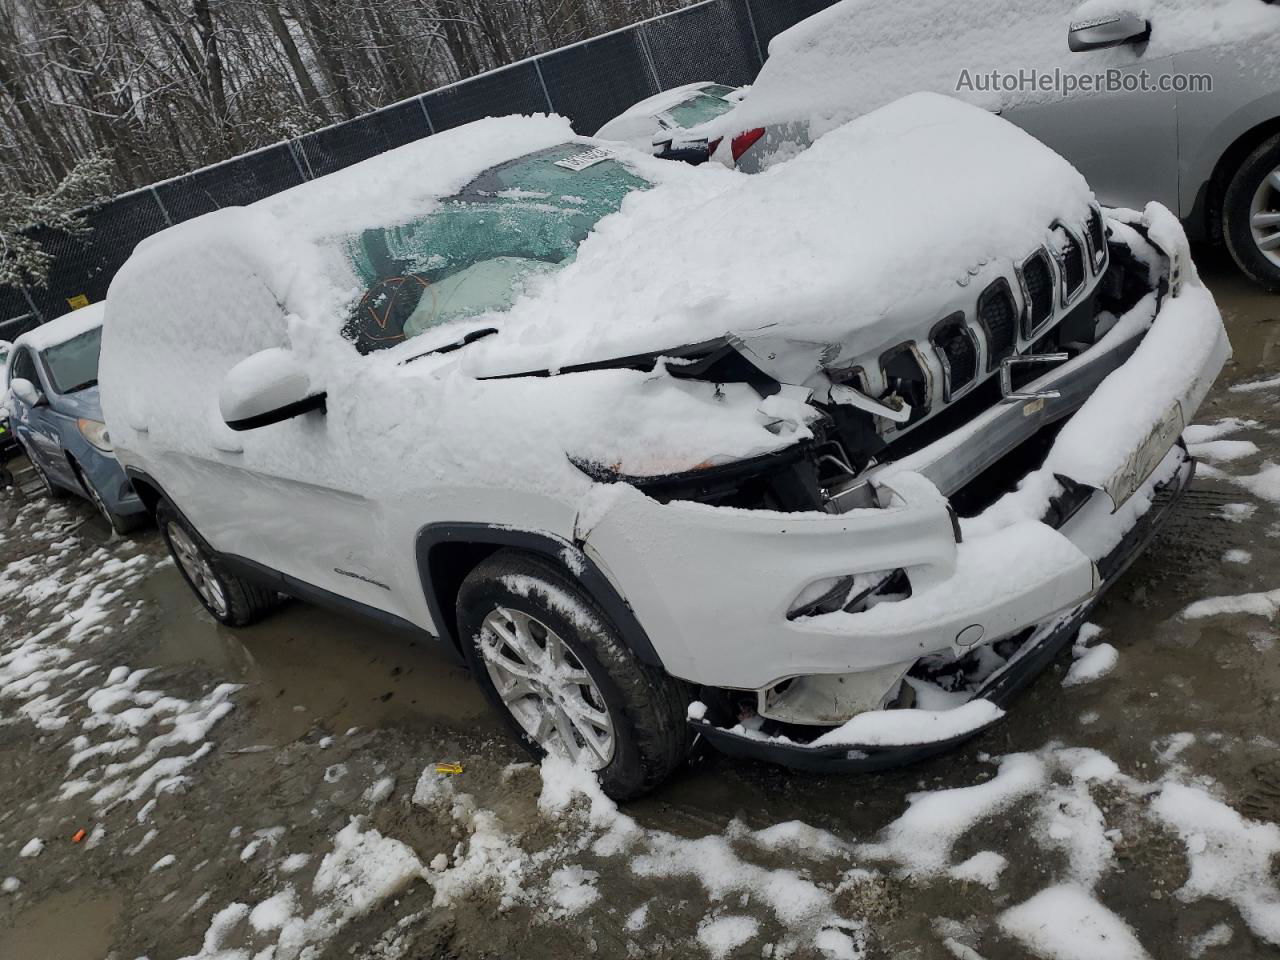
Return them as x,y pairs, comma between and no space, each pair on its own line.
328,707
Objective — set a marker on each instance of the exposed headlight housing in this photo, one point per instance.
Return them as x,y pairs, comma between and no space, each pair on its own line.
95,431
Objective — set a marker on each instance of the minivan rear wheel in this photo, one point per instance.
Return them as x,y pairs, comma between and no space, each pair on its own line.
553,665
231,600
1251,215
51,489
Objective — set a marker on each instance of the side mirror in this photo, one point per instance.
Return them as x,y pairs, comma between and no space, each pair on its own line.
1108,30
268,387
27,392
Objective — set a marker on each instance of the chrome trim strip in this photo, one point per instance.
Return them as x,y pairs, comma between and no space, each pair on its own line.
1068,296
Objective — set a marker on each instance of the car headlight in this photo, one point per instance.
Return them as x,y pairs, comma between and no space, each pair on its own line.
95,431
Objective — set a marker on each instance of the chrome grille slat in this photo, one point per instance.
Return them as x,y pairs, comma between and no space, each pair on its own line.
998,315
1070,262
1097,239
957,350
1037,285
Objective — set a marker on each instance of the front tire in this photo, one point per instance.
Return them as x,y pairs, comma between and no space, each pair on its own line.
231,600
118,522
553,665
1251,215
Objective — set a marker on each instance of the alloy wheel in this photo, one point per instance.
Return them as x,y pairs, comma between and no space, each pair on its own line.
197,568
1264,216
96,499
39,470
546,688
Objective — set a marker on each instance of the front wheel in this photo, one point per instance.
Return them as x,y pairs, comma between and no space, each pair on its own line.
1251,215
554,666
118,522
229,599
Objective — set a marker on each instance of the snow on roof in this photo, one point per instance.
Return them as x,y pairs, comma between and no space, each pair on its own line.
63,328
887,210
860,54
401,184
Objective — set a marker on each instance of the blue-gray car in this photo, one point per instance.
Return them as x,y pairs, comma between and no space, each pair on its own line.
55,413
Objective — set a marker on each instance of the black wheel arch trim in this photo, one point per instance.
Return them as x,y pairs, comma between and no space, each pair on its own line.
578,565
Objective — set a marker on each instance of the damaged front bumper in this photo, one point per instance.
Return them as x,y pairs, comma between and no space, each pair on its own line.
988,701
716,588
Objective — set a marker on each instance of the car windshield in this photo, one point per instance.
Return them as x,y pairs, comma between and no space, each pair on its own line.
73,365
699,109
478,249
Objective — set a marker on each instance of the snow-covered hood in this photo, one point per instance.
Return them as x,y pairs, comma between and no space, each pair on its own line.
851,243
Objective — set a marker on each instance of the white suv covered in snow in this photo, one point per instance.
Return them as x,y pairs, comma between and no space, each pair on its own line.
819,464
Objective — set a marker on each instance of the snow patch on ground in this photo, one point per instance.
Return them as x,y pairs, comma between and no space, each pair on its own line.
1223,450
1065,922
1090,663
723,935
1230,856
1264,604
920,841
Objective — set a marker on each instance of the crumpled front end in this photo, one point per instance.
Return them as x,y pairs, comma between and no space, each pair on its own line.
939,538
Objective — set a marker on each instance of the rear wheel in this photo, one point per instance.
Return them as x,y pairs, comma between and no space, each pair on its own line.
51,490
1251,215
229,599
555,667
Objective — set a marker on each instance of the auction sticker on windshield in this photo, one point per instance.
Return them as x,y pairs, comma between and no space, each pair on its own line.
588,158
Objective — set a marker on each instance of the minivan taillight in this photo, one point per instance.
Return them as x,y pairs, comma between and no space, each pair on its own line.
744,141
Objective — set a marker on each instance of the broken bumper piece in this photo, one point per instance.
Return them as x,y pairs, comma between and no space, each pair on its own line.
897,737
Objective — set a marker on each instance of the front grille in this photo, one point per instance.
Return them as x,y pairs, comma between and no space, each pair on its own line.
958,352
1097,238
998,315
1071,257
1037,278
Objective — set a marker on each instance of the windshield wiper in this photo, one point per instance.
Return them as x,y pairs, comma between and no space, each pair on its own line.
458,344
82,386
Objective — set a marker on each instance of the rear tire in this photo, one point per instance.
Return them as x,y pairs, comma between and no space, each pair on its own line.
231,600
1251,215
51,489
645,707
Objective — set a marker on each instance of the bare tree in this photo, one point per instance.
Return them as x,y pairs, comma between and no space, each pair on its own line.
152,88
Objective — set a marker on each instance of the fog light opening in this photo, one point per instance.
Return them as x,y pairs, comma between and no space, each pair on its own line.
852,594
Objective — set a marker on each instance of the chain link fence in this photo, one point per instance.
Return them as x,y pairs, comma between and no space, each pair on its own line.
589,82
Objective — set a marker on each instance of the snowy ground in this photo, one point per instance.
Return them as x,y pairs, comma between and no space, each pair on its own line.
273,793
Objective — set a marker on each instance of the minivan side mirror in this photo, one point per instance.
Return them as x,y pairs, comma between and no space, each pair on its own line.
268,387
1108,30
27,392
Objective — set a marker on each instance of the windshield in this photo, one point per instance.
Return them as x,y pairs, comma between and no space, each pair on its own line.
478,250
698,110
73,365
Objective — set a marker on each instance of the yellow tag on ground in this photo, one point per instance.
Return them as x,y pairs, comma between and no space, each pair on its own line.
448,768
78,301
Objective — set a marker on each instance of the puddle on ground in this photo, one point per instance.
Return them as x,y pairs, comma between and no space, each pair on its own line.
70,925
306,666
